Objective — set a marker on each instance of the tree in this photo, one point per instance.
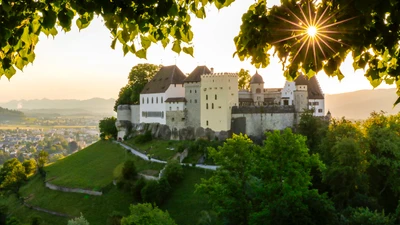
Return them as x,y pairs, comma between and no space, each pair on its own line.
72,146
139,76
42,159
173,172
308,36
146,214
311,36
313,128
12,175
129,170
227,188
364,216
78,221
30,166
107,128
244,80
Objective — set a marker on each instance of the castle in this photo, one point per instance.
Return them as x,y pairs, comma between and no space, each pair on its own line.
208,100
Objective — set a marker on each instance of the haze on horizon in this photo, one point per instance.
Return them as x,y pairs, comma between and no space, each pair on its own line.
82,65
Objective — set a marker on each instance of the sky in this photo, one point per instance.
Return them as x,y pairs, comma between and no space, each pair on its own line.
82,65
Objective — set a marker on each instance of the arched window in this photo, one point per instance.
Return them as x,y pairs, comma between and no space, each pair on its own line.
206,105
258,90
212,106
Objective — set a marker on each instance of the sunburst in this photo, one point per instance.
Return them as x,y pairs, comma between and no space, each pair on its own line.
313,31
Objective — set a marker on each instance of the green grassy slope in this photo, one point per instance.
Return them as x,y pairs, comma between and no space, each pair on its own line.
96,166
93,167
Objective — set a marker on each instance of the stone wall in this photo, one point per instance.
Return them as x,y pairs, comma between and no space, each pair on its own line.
254,121
135,113
176,119
73,190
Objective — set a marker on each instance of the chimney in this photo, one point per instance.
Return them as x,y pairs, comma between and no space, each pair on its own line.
212,70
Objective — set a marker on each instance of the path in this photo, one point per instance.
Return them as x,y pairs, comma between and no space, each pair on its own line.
145,157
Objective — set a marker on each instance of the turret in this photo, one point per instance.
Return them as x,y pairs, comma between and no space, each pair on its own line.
301,94
257,89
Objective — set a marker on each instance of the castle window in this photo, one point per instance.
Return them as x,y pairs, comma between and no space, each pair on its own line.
147,100
320,110
195,91
172,119
207,122
177,108
174,85
157,100
206,105
170,108
285,102
215,97
162,100
142,100
212,106
195,101
315,103
190,91
258,90
206,97
205,89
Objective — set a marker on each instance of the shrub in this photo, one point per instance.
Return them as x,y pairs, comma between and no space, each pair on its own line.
129,170
115,218
137,188
78,221
150,192
164,190
173,172
144,138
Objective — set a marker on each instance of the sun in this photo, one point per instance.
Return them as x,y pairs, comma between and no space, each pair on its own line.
312,31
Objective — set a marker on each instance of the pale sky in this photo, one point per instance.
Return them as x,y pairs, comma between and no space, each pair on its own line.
82,65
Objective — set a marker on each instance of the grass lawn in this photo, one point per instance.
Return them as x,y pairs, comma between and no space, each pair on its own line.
95,209
94,167
157,148
184,205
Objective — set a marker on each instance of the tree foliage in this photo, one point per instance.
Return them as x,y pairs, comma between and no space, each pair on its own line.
30,166
146,214
368,30
107,127
43,158
135,24
139,76
78,221
244,79
12,175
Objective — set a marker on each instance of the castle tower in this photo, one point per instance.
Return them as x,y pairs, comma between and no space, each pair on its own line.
219,93
192,95
301,94
257,89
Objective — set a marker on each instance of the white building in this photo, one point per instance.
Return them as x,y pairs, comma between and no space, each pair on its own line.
219,93
166,84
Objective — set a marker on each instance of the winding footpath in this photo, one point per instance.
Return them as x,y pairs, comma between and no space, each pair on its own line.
145,157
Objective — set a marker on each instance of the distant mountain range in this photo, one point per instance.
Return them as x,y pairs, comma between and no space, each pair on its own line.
94,106
352,105
359,104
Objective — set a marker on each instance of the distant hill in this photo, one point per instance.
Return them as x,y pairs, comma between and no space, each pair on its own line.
359,104
10,115
92,106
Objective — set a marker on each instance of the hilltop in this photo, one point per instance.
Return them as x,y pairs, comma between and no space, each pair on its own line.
10,115
63,107
359,104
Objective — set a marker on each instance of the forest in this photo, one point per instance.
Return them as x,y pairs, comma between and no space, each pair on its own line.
337,172
10,115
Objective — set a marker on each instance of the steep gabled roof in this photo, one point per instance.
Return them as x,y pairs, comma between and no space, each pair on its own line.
256,79
195,76
166,76
313,88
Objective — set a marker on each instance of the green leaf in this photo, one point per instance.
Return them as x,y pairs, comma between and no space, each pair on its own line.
26,37
397,102
10,72
188,50
177,47
165,42
125,48
145,42
53,31
113,43
141,53
20,63
6,7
